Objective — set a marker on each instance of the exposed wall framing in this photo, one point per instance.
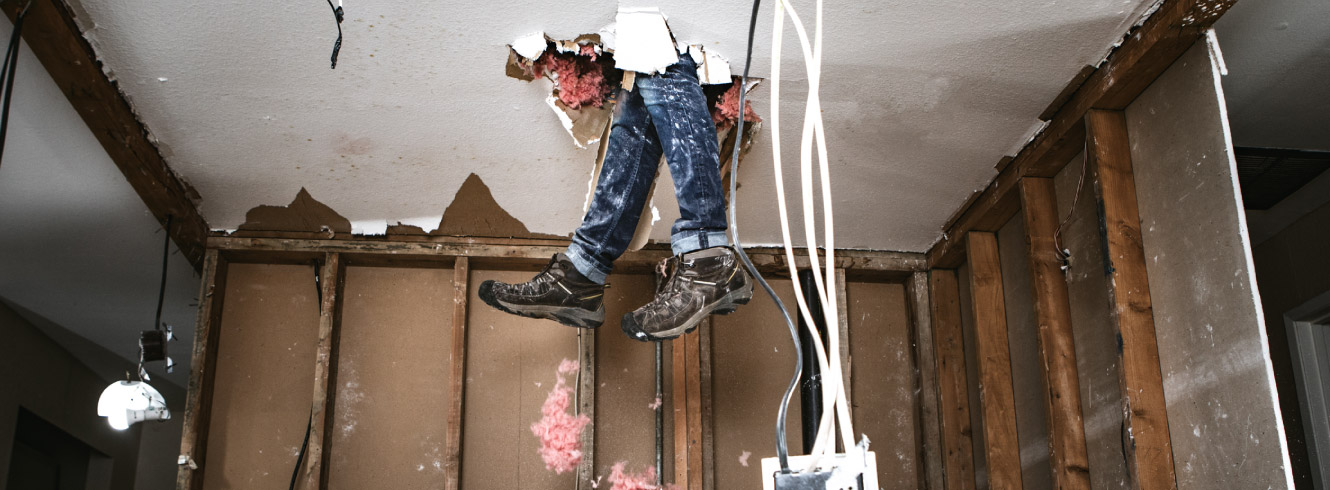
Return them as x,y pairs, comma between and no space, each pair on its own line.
1145,53
697,459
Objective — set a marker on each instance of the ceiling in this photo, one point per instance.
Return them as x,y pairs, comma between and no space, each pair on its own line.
1278,57
921,99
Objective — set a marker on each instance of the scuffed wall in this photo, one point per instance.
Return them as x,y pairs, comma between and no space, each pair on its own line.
1218,382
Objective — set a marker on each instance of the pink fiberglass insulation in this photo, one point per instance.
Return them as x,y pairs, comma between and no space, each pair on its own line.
579,79
726,111
560,432
635,481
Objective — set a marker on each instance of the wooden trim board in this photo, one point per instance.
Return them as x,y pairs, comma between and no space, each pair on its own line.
1146,440
419,253
1057,345
928,437
996,398
953,388
203,366
331,271
457,375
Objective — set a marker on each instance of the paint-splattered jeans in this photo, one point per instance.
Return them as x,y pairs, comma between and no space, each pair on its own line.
665,113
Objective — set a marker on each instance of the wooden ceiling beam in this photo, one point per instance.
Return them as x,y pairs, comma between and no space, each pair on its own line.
1147,51
54,37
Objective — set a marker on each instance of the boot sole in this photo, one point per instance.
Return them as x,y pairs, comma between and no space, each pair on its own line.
572,317
725,305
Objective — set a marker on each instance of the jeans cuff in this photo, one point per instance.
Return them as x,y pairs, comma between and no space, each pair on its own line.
582,261
691,241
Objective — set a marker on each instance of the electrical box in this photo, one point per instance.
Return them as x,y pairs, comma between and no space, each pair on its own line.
854,470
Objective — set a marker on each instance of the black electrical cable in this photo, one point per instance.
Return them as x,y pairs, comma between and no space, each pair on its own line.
338,14
304,446
166,254
7,73
782,448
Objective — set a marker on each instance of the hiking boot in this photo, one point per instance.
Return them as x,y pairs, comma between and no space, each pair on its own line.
558,293
688,289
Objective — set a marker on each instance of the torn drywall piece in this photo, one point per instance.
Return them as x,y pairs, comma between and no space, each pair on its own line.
712,68
304,214
585,125
643,42
474,212
531,45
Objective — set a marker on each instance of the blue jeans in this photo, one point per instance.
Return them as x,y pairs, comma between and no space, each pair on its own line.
665,113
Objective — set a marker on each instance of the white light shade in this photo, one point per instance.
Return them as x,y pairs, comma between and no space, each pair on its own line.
127,402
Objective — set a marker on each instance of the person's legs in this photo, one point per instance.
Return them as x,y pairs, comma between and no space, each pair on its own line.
704,276
687,136
571,288
625,178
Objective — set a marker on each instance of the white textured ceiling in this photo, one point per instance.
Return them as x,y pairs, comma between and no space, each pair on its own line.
1278,85
922,98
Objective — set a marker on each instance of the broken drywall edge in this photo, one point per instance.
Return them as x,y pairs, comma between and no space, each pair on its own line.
712,68
586,125
643,41
531,46
564,118
369,227
426,224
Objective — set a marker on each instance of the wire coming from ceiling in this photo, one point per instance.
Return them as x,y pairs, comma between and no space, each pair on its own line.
339,15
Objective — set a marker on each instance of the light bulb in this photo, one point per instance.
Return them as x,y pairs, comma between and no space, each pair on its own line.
125,403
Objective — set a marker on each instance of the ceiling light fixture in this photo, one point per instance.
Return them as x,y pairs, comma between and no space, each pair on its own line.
127,402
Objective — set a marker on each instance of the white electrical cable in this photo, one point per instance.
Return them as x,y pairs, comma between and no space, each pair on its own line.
834,399
819,350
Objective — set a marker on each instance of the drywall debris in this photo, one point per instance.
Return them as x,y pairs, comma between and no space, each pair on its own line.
743,458
304,214
643,42
560,432
655,405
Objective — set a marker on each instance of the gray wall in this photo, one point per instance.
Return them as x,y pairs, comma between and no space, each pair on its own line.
1292,268
43,378
1023,339
1218,381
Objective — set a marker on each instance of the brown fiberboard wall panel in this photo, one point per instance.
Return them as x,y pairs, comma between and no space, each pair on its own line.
1026,368
626,386
1096,359
753,359
265,376
392,396
1218,380
510,368
972,373
882,380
